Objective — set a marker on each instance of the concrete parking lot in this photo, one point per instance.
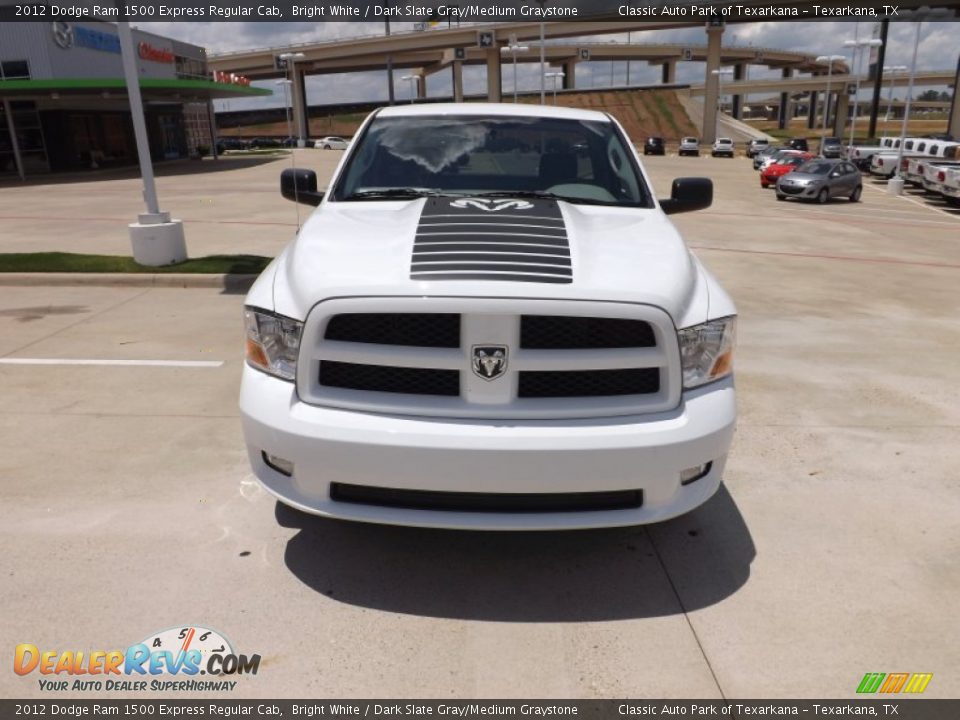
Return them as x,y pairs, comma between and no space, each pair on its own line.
127,507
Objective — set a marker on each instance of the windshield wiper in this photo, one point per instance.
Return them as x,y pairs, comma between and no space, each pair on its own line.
545,195
393,193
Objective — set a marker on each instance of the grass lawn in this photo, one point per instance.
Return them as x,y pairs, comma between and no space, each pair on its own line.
59,262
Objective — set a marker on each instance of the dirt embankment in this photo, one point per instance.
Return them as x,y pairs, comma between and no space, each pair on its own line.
641,112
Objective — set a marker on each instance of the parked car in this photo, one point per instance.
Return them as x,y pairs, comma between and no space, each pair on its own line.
860,154
689,146
654,146
949,180
884,163
934,175
412,376
761,155
822,180
798,144
259,143
831,147
723,146
331,142
756,145
916,170
776,155
230,143
781,167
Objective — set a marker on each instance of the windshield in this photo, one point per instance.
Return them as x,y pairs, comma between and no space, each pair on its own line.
579,161
816,168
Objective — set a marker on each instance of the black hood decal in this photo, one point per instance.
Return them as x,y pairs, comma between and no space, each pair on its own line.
505,239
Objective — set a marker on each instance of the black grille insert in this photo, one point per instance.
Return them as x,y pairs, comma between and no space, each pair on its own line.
562,332
588,383
408,329
386,378
486,502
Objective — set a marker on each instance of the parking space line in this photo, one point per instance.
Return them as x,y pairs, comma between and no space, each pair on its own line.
916,202
91,361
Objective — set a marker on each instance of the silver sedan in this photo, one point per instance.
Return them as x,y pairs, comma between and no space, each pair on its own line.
821,180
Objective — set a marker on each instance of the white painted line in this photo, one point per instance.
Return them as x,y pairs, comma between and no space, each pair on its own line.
918,203
135,363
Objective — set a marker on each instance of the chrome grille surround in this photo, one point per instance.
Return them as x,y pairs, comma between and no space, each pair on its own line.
490,321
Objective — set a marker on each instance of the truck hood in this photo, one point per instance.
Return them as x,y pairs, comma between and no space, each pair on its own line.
366,248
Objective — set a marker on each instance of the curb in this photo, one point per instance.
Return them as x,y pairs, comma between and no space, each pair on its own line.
221,281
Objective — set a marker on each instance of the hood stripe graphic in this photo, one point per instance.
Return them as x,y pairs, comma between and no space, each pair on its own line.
462,244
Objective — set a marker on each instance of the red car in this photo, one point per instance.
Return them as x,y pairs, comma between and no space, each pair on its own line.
781,167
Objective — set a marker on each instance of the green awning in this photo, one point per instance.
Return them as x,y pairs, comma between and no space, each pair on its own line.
186,88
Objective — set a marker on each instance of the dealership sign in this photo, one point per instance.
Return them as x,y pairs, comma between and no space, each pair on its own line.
67,36
155,54
230,78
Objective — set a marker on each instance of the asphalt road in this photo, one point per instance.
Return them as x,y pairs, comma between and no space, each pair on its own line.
127,507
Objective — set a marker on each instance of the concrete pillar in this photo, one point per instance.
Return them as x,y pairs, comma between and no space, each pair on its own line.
737,109
842,112
953,126
711,85
18,161
669,72
812,110
494,83
569,74
212,124
784,101
421,85
299,88
457,69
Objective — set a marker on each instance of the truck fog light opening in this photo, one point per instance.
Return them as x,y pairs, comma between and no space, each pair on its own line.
284,467
691,475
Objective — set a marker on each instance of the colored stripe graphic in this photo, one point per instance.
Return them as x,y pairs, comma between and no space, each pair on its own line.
918,682
871,682
894,682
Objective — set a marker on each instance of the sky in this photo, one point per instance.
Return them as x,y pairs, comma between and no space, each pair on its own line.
938,50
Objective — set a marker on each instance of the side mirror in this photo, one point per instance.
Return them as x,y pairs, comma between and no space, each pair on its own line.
688,194
300,185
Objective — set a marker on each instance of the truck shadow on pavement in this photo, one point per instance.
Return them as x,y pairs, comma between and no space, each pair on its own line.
684,564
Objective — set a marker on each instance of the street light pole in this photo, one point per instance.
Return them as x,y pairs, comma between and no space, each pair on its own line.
543,57
290,68
554,75
830,60
286,104
893,81
155,238
412,79
513,49
720,72
858,46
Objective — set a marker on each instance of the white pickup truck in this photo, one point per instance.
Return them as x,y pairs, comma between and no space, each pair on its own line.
947,183
884,164
919,169
860,155
489,322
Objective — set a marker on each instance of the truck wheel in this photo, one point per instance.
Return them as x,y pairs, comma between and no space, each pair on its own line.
855,197
823,196
781,196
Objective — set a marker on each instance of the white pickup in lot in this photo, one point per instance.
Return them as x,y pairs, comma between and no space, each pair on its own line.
860,155
884,164
489,322
949,185
923,172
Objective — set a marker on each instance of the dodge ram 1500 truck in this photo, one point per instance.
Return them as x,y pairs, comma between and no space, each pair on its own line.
489,322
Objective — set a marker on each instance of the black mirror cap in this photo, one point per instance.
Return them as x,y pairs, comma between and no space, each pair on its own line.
300,185
688,194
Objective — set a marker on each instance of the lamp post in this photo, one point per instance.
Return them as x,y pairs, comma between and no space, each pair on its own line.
895,185
513,49
290,71
286,104
154,238
893,70
554,75
830,59
543,57
720,72
858,46
413,80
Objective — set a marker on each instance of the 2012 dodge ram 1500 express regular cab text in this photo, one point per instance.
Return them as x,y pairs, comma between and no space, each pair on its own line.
489,322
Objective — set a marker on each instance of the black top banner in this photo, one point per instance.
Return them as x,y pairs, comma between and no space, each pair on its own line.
892,708
441,14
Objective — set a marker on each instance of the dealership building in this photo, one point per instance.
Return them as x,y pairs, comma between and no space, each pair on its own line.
64,106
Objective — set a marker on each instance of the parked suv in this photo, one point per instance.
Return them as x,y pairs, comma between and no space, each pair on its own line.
831,147
453,340
757,145
723,146
689,146
798,144
654,146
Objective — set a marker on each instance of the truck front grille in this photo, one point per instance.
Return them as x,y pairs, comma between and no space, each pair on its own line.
383,378
431,356
588,383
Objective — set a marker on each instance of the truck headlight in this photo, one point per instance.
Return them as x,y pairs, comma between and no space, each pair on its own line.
273,343
706,351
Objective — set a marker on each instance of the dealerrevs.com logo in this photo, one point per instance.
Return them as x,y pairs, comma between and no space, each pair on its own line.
170,660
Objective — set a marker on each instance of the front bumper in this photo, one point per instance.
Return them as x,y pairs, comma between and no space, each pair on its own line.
643,452
803,192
